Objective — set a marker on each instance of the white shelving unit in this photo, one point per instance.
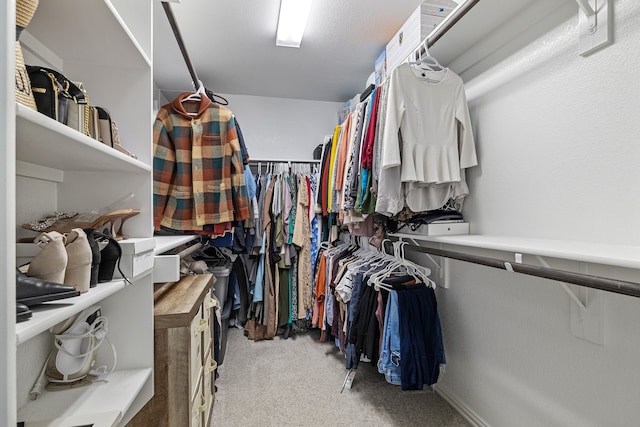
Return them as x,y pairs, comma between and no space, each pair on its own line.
66,149
47,166
47,315
596,253
114,395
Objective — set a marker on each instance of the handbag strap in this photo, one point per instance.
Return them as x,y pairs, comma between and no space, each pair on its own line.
67,84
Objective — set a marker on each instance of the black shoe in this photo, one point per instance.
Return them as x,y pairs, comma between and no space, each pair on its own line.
22,313
95,256
109,257
31,291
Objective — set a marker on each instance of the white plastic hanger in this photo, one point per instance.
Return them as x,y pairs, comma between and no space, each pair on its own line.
196,96
427,63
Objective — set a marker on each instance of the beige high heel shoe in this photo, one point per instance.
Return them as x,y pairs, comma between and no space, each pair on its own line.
51,262
78,272
64,223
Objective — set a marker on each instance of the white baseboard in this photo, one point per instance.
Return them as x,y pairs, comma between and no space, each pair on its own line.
464,410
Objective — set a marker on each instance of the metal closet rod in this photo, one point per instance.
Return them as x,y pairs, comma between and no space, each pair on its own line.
450,21
586,280
251,160
176,32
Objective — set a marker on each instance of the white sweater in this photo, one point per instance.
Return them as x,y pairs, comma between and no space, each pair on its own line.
437,140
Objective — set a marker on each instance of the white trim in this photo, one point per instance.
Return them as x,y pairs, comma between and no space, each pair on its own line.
467,413
30,170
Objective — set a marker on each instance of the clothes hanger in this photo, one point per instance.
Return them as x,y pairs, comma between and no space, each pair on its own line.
426,63
196,96
214,97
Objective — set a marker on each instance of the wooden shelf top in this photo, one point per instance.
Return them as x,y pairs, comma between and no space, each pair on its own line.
177,306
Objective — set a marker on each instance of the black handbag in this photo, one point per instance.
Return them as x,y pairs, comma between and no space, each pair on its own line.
53,92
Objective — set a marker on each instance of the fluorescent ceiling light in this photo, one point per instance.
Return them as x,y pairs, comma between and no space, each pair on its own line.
291,23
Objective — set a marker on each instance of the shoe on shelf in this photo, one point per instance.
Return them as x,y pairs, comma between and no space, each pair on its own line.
32,291
80,256
95,254
76,341
66,222
109,257
22,313
51,262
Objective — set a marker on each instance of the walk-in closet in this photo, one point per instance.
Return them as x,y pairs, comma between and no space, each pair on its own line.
408,213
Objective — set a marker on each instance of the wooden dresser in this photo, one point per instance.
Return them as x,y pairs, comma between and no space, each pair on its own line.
184,316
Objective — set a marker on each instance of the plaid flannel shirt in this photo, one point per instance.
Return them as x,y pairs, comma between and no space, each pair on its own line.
198,175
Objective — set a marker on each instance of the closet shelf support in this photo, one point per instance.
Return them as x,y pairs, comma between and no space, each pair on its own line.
586,7
585,280
595,25
574,298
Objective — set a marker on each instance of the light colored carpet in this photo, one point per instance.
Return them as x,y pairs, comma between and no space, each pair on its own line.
297,382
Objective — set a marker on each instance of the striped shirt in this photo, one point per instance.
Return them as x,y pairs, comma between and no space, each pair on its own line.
198,176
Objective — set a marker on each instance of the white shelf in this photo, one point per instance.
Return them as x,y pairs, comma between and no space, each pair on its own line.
49,314
116,393
614,255
87,31
46,142
166,243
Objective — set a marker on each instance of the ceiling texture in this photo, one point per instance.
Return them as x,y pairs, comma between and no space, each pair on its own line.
232,44
232,47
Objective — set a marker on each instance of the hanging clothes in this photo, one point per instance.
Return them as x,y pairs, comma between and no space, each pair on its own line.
198,176
430,111
284,262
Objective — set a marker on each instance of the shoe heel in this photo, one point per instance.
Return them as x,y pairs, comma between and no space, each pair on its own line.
51,262
110,256
78,272
118,235
95,256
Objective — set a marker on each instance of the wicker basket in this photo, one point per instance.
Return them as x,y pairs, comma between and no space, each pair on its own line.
25,9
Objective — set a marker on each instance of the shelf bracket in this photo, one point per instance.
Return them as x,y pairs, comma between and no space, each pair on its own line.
595,25
587,312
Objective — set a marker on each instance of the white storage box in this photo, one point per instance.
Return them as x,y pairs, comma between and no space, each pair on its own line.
439,229
137,257
419,25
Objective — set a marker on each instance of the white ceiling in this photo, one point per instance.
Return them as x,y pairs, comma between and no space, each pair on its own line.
232,44
232,47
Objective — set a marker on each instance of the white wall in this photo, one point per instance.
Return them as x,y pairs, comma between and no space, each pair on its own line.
557,137
282,128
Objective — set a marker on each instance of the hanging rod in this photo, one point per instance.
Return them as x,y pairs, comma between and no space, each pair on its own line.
176,32
447,23
450,21
252,160
586,280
